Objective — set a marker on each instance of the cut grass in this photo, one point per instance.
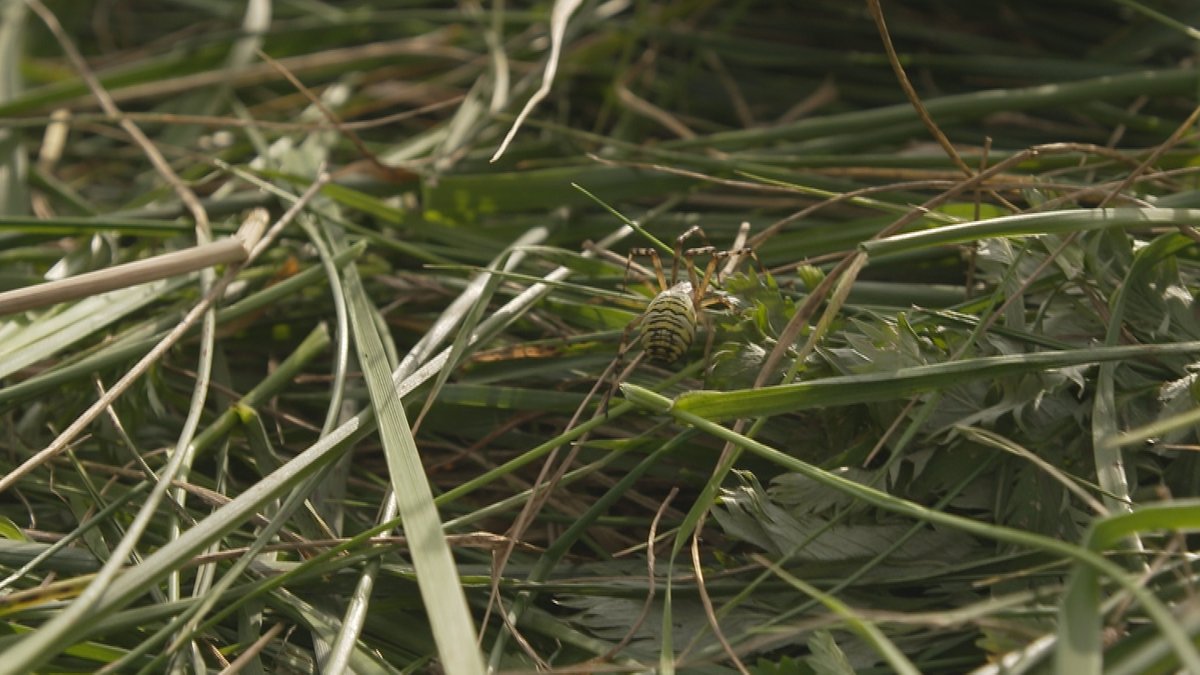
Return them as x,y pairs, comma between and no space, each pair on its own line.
966,389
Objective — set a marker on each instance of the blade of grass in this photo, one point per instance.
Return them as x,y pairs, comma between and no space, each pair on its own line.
1027,224
108,356
865,629
49,334
1110,467
122,276
437,575
553,554
14,197
468,309
1081,647
955,107
902,382
199,309
559,15
114,586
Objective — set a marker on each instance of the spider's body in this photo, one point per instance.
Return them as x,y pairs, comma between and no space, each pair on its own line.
669,323
668,326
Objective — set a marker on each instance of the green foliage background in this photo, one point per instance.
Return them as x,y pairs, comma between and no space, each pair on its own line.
946,424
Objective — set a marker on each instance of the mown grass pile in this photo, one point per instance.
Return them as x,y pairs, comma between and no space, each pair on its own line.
942,419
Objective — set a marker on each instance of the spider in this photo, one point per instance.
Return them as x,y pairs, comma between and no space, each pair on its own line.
668,326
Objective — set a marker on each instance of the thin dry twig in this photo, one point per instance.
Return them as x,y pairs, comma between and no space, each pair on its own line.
1153,157
253,650
705,600
915,99
910,92
229,250
431,45
650,583
791,332
64,439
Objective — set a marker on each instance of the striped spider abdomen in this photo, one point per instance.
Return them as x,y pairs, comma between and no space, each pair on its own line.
669,323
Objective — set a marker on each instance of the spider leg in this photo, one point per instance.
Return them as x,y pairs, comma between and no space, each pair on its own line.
753,254
735,256
615,366
654,260
700,285
693,231
689,259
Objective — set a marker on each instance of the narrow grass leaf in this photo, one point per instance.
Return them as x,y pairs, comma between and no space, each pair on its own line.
954,107
1110,468
437,575
1080,647
468,310
79,620
865,629
561,12
134,345
1029,224
902,382
51,333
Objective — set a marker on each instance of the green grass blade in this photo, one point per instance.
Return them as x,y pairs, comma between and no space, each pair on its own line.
867,630
107,595
900,383
437,577
52,333
1029,224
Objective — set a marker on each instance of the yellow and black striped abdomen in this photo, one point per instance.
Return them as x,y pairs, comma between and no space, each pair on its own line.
669,324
